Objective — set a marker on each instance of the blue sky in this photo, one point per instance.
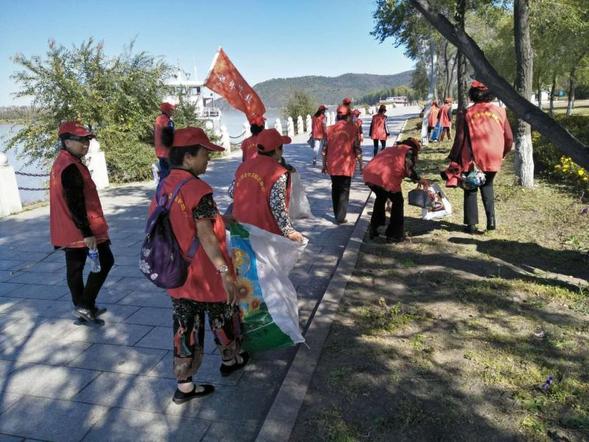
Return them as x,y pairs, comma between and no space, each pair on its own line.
265,39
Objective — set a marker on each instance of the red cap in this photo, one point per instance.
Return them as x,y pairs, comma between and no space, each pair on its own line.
167,107
258,120
478,85
347,100
270,139
194,136
74,128
343,110
322,107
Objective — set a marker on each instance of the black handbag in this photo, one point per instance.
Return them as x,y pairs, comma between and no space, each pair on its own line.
419,198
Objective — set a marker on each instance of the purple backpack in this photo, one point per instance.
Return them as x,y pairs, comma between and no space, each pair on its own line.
161,259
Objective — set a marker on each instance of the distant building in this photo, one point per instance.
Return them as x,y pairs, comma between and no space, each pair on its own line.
391,102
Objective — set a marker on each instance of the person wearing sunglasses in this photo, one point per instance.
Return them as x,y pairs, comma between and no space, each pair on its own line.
77,222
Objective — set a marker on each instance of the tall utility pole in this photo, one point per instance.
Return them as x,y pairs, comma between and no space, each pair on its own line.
432,93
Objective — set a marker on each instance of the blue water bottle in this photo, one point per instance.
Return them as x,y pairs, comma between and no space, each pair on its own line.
94,260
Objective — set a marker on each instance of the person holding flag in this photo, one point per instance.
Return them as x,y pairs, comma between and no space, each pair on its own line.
249,146
339,160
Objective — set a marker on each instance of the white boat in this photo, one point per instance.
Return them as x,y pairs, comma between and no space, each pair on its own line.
192,91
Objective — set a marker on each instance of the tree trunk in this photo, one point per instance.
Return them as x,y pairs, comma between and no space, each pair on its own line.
524,160
460,73
485,72
552,92
572,84
447,70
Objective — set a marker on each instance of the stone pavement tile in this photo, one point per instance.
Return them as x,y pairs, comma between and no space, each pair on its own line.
118,358
7,303
34,277
115,312
45,267
48,381
33,329
158,337
129,260
7,438
111,333
7,400
208,372
151,316
6,275
125,271
127,425
51,420
43,350
153,298
7,287
11,264
240,431
130,392
39,291
43,308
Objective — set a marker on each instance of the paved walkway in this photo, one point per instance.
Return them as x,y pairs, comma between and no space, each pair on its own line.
63,382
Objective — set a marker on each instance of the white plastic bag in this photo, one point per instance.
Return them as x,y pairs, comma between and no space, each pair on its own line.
441,206
299,204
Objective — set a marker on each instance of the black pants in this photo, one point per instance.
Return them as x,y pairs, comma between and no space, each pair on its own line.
383,144
85,296
340,195
395,228
471,212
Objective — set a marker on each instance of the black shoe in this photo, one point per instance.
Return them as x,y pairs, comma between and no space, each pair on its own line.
84,313
472,229
491,224
180,398
98,311
343,221
226,370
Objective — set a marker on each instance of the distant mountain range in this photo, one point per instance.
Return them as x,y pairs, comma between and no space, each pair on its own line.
328,90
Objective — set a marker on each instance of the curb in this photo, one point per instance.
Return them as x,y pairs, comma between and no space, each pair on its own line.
283,413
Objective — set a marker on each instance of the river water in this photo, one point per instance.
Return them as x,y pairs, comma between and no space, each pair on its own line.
232,119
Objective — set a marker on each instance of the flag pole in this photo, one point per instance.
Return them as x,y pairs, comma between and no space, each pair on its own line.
213,65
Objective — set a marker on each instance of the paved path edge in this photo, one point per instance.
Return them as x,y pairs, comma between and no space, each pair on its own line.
282,416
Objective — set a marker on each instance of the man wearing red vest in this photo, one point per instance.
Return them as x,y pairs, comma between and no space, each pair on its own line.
249,146
261,189
445,118
163,134
358,122
384,174
483,138
378,129
339,160
318,132
77,222
210,284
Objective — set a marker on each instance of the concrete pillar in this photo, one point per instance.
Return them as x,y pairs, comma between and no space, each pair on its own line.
300,126
332,117
225,140
9,196
290,129
309,123
246,129
96,163
278,125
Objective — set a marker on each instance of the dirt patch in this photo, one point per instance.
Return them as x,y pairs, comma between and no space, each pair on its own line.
457,337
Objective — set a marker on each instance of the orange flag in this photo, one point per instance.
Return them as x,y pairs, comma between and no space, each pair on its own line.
225,79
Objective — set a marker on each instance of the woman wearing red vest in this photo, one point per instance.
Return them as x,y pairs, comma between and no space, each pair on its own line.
378,129
445,118
318,132
358,122
339,160
210,284
432,118
163,134
77,222
261,189
484,138
384,175
249,146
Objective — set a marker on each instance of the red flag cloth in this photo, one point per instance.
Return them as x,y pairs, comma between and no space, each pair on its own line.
225,80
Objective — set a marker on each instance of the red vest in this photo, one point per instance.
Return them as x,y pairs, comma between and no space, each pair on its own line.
341,153
379,130
387,168
445,120
161,122
358,123
251,193
64,232
490,136
249,147
317,131
432,119
203,283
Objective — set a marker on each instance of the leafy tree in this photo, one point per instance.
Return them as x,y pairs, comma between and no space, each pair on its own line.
299,103
117,96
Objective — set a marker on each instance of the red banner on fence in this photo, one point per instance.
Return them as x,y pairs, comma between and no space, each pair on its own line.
225,80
